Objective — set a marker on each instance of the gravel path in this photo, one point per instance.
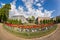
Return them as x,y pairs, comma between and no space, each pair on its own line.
4,35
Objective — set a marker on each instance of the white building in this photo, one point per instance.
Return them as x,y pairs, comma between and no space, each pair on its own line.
19,17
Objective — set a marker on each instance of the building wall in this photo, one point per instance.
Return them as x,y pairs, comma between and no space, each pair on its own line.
22,18
43,18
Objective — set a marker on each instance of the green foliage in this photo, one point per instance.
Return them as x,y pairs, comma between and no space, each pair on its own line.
36,22
41,22
4,18
14,21
31,19
58,20
4,12
20,22
46,21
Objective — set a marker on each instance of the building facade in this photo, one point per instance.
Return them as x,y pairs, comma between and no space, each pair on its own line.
43,18
19,17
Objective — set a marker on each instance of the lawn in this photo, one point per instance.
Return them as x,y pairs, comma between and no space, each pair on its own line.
31,34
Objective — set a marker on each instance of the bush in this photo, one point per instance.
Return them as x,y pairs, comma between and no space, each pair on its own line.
20,22
14,21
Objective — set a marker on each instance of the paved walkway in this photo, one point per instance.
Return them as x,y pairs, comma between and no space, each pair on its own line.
4,35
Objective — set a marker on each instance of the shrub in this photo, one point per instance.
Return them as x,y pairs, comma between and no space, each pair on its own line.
14,21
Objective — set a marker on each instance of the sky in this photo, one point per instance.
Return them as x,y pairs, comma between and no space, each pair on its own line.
36,8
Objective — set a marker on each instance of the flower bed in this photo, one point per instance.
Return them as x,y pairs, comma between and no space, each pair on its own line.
29,26
31,32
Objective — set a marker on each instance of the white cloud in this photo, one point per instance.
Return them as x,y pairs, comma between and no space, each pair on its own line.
2,4
37,12
38,4
42,1
14,2
31,11
13,10
36,0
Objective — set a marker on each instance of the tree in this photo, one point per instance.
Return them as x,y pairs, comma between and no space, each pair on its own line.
41,21
30,20
44,21
36,21
33,19
57,19
6,8
4,18
20,22
4,12
52,21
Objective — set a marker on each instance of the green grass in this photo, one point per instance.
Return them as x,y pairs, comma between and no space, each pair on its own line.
31,34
